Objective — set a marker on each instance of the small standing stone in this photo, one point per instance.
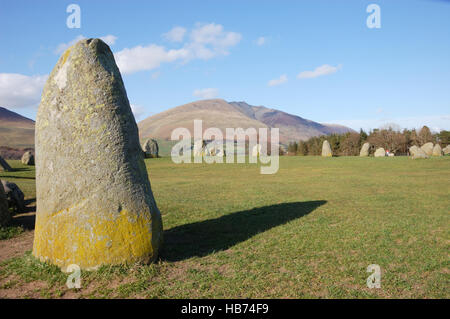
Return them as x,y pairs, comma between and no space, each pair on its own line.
365,149
150,148
14,196
5,216
446,150
326,149
427,148
380,152
28,158
437,150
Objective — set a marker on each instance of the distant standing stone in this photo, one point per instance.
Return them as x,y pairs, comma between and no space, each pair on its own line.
365,149
150,148
14,196
427,148
326,149
5,216
446,150
4,165
417,152
95,205
28,158
437,150
380,152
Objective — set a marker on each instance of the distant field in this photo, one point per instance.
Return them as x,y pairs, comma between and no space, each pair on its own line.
308,231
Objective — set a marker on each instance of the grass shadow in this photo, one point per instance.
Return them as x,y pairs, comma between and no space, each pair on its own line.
205,237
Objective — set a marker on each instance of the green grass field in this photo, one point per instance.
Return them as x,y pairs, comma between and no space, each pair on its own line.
309,231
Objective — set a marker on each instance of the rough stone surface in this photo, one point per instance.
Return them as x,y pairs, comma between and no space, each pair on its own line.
417,152
94,200
437,150
4,166
326,149
446,150
380,152
14,196
150,148
365,149
5,216
28,158
427,148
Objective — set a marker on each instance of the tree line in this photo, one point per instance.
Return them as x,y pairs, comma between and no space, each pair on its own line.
349,144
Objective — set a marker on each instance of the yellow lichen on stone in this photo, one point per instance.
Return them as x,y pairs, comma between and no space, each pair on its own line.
62,240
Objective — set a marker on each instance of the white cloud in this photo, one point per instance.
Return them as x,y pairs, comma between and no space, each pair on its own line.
205,42
261,41
18,90
434,122
138,111
146,57
319,71
282,79
175,35
108,39
208,93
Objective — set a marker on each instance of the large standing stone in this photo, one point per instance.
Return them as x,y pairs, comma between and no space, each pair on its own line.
417,152
14,196
446,150
94,200
4,165
380,152
28,158
326,149
365,149
427,148
437,150
5,216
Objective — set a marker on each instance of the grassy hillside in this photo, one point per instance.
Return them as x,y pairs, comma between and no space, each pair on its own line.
15,130
310,230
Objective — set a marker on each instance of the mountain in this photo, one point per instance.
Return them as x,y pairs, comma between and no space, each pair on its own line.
15,129
221,114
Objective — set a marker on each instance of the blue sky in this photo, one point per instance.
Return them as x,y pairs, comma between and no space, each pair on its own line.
316,59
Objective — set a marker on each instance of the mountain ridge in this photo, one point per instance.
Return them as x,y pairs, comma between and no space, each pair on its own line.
238,114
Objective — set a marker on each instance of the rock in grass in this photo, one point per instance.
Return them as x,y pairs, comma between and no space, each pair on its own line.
427,148
4,166
417,152
5,215
28,158
14,196
446,150
326,149
437,150
150,148
94,201
365,149
380,152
